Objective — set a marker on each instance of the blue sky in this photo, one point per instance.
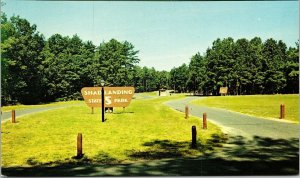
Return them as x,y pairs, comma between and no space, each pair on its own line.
167,34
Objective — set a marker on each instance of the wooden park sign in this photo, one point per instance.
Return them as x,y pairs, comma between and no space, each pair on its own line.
223,90
113,96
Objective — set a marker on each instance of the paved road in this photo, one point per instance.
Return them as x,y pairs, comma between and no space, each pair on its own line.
255,146
239,124
21,112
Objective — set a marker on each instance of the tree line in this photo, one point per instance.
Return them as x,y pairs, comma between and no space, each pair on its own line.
36,70
244,66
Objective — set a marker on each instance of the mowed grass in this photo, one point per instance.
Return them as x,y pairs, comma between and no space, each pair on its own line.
147,130
21,106
267,106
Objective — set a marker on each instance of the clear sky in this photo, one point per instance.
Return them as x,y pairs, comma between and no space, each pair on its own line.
168,33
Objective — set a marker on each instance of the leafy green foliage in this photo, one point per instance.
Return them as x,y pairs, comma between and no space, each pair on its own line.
245,67
179,77
197,78
115,61
36,70
22,62
66,67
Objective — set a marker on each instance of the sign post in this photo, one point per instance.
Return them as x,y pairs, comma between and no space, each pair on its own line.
102,103
102,98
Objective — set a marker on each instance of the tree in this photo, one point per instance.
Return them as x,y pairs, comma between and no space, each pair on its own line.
197,73
273,59
163,79
7,31
256,66
116,61
246,67
220,66
179,77
291,70
138,79
21,50
37,70
67,67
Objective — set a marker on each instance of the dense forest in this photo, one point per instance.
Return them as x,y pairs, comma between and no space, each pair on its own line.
36,70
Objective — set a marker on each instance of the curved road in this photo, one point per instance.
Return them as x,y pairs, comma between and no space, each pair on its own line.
21,112
255,146
239,124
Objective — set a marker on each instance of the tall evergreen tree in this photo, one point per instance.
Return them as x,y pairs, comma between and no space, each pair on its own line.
273,58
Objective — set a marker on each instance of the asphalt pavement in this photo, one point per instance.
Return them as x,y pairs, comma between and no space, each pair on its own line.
238,124
254,146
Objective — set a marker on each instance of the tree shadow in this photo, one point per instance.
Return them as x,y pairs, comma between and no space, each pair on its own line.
123,112
198,95
159,149
238,156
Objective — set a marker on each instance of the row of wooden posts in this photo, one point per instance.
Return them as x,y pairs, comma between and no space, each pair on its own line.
194,130
204,120
282,114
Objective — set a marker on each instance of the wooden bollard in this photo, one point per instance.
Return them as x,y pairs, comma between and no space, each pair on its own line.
13,116
79,146
194,137
92,110
204,121
282,111
186,112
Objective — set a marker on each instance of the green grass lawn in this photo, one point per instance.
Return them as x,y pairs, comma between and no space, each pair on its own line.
147,130
21,106
267,106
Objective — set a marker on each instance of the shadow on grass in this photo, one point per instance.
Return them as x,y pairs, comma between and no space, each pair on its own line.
239,156
199,95
122,112
159,149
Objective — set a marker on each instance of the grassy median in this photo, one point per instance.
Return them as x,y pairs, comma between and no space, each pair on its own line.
267,106
146,130
21,106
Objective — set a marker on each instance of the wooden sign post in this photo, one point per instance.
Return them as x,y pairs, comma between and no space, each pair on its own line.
79,145
204,121
186,112
282,111
13,116
194,137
